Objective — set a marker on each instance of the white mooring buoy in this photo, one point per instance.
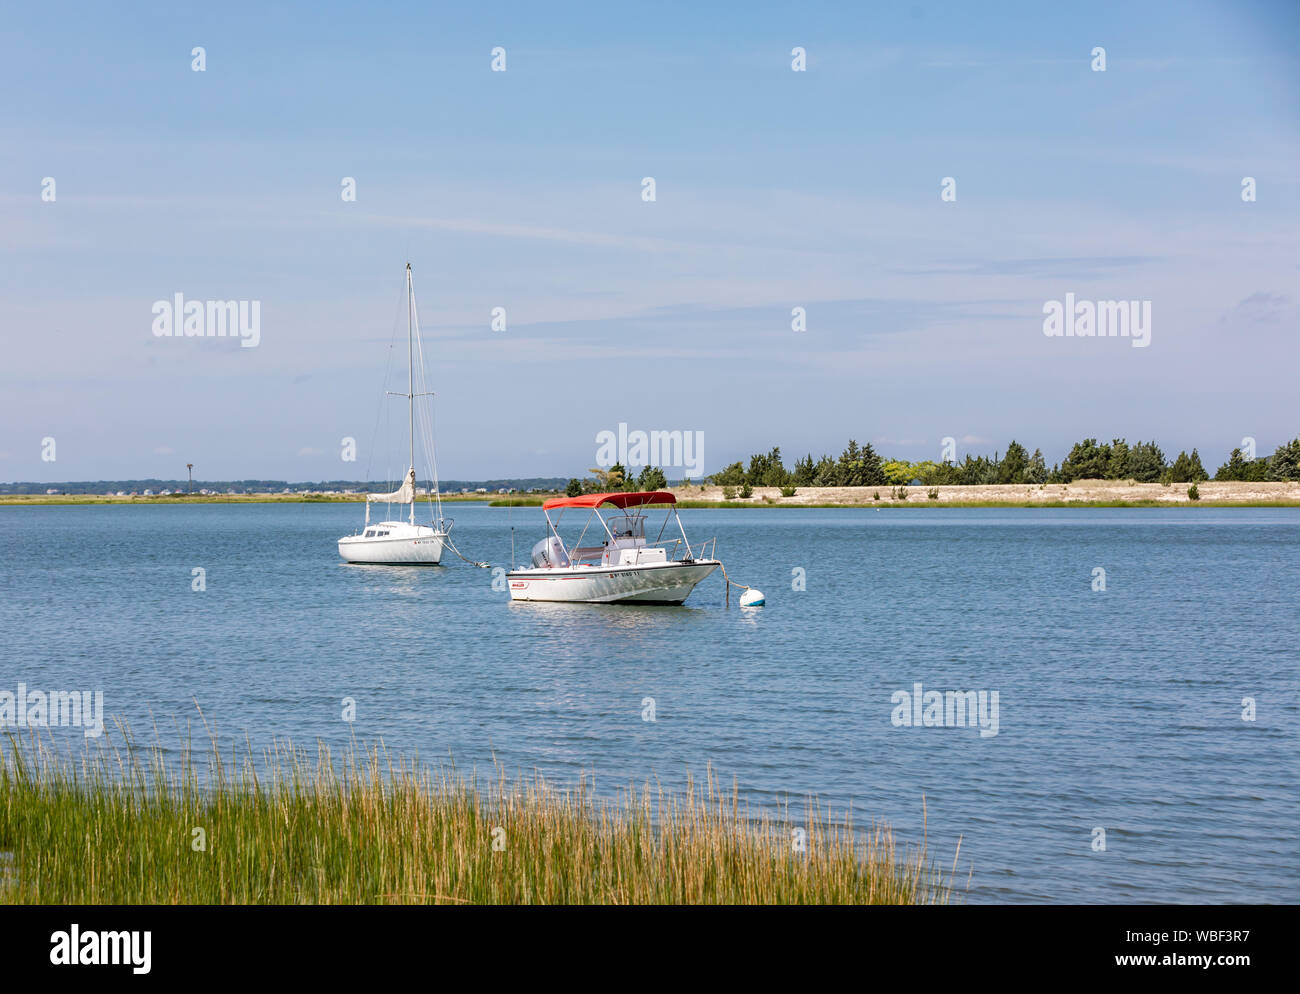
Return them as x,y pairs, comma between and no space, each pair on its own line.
752,598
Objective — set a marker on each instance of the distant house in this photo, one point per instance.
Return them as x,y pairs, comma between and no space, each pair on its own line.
148,493
51,492
481,490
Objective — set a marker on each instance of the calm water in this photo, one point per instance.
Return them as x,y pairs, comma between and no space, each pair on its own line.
1119,709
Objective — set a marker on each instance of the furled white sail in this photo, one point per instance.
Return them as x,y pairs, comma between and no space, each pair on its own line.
404,494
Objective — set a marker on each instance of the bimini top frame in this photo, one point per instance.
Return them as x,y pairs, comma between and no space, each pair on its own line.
619,499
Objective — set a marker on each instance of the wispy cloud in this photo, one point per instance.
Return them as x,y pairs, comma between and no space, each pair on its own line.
1261,307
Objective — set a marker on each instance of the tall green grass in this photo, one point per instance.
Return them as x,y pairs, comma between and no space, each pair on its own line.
116,825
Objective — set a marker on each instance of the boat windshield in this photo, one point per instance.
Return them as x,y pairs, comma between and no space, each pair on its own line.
626,525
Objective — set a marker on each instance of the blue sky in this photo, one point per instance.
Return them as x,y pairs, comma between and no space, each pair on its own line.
522,190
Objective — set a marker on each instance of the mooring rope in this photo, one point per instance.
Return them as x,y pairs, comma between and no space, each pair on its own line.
731,583
446,540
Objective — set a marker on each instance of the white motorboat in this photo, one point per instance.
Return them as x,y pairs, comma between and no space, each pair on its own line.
396,541
619,565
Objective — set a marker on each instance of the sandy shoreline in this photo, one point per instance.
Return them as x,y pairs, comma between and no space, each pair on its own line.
1080,493
1020,494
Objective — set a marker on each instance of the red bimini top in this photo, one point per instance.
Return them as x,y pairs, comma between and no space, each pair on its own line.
617,499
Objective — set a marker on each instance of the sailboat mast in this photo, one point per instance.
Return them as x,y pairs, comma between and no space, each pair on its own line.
410,381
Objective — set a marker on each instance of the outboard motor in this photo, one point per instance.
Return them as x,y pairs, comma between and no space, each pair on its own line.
549,552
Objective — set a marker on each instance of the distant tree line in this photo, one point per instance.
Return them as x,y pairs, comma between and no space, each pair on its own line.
1142,462
267,486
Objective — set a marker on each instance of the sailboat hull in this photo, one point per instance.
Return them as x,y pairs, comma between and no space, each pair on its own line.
396,543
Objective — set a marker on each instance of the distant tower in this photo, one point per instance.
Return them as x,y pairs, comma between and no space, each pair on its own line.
190,467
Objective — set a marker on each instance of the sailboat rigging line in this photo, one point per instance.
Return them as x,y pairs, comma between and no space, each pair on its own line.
426,417
416,341
410,376
383,396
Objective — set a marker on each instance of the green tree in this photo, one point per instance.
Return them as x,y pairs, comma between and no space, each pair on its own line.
898,472
1117,464
732,476
859,467
804,471
605,480
1014,465
927,471
979,470
652,478
824,472
1238,467
1036,472
574,488
1146,463
1186,469
1284,464
1086,461
767,470
942,474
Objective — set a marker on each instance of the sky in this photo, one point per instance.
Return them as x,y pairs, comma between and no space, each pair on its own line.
523,189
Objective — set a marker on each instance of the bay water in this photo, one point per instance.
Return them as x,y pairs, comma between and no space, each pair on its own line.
1146,741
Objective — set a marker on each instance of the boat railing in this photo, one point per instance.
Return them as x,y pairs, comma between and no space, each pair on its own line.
700,550
703,550
671,546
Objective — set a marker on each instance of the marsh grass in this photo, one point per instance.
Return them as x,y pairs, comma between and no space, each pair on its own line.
116,825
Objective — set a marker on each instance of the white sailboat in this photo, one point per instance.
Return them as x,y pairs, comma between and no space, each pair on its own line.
404,542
